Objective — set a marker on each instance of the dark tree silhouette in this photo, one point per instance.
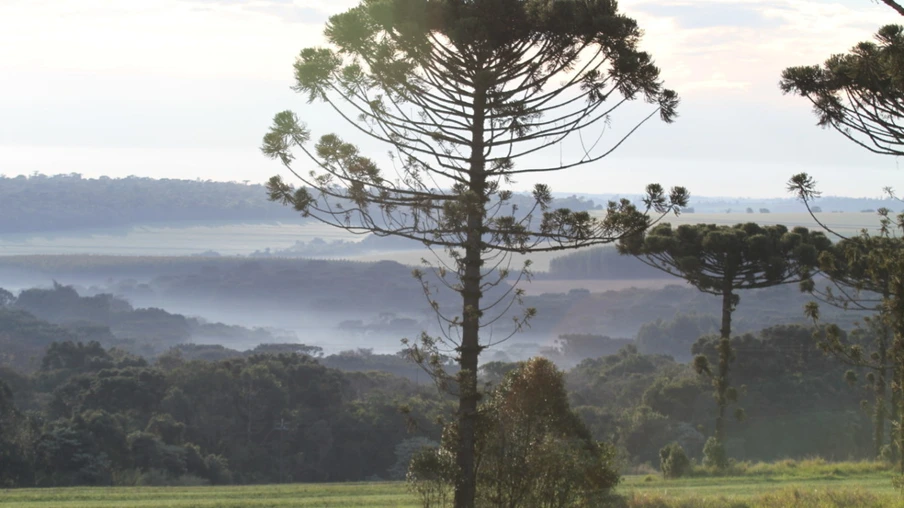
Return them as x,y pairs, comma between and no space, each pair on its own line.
859,94
722,260
465,95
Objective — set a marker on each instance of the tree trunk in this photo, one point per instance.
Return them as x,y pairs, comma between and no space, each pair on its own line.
724,361
469,349
899,438
881,406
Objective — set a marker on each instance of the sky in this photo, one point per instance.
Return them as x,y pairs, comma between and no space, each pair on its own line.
187,88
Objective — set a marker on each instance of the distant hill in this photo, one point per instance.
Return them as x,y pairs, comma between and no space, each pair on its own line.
736,205
65,202
41,203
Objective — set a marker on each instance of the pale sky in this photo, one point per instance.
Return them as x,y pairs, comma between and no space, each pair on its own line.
187,88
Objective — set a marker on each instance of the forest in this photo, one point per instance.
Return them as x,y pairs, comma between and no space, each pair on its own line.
96,404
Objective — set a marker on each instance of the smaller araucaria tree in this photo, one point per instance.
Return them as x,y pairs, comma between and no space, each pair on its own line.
865,272
721,260
850,284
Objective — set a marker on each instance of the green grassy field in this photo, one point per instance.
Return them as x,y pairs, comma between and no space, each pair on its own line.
789,483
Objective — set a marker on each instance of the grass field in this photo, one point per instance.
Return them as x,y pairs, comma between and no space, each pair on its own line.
788,483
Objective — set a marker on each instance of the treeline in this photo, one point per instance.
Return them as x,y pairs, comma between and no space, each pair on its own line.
40,203
796,400
89,415
80,413
65,202
258,284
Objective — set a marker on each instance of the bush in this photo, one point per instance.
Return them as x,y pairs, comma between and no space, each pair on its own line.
218,470
714,454
431,477
673,461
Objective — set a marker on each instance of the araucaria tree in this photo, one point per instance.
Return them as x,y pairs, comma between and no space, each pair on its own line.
466,96
853,284
860,94
867,272
721,260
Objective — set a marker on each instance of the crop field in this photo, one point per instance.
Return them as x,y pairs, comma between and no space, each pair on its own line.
172,239
815,484
232,238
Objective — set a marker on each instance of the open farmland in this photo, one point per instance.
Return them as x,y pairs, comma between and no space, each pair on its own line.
172,239
235,238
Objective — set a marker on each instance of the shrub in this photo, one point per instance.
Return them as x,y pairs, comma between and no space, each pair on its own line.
673,461
714,454
430,477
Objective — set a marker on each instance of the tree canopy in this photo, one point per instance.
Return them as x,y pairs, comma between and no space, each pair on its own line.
860,94
722,260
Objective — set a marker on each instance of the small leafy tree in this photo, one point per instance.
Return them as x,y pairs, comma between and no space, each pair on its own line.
465,95
721,260
673,462
431,475
714,454
532,449
6,298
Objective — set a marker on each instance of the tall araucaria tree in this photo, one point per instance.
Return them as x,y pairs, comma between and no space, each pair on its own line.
466,96
721,260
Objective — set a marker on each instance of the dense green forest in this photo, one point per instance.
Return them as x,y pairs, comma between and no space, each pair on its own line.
88,401
95,416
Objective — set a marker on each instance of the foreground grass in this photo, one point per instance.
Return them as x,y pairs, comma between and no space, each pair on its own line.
378,495
806,484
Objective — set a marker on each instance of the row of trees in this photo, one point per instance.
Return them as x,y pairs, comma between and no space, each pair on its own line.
206,414
91,416
66,202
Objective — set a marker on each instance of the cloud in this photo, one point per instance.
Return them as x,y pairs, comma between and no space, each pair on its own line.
748,43
289,11
710,15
